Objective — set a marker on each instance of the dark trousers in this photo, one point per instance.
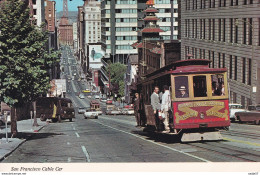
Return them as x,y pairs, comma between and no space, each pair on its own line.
138,119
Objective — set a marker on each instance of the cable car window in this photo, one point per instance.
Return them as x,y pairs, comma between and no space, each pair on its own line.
200,86
218,87
181,87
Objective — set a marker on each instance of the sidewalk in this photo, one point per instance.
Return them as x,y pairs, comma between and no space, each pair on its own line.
25,131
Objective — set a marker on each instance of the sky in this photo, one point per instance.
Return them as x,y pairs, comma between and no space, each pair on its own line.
72,5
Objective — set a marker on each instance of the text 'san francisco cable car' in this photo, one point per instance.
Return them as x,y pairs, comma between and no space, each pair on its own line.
202,111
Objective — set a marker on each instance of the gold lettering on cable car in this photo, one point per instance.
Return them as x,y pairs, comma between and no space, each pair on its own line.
188,112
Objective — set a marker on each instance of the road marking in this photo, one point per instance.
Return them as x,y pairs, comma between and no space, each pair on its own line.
68,143
205,160
74,128
86,153
69,159
77,134
241,141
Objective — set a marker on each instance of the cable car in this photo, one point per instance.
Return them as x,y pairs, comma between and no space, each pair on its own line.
201,111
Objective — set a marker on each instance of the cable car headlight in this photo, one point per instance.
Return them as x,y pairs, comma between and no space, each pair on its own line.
202,115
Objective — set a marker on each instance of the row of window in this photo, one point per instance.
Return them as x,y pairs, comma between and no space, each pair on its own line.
124,47
122,38
219,29
203,4
126,20
125,29
126,10
219,59
126,1
243,102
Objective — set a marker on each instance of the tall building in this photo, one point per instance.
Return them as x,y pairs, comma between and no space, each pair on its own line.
50,17
122,18
227,33
38,11
92,22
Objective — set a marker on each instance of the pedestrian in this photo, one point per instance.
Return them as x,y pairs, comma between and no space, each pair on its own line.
155,102
136,109
165,108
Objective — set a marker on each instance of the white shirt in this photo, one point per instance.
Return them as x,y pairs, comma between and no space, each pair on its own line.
166,101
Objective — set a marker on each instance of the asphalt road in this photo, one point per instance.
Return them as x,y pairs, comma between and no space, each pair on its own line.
116,139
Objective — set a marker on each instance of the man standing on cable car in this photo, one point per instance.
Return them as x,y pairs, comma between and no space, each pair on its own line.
155,102
165,107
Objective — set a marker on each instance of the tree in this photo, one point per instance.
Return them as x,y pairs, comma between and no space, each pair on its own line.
23,58
117,71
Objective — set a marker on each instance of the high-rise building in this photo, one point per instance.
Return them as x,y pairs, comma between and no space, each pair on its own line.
121,19
38,11
92,22
227,33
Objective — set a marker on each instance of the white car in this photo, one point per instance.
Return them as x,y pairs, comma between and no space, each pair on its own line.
91,114
81,110
97,97
81,96
233,108
130,112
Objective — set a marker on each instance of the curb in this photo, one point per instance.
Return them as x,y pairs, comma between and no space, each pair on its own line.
24,140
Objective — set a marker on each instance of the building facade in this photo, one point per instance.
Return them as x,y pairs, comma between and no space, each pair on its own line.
121,19
92,22
227,33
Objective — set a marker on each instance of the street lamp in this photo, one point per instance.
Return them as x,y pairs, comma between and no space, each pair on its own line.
253,47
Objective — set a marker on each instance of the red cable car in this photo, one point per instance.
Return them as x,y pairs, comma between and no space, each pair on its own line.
199,112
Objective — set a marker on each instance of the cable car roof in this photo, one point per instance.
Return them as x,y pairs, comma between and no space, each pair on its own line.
187,66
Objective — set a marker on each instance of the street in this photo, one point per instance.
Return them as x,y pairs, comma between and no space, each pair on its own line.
114,138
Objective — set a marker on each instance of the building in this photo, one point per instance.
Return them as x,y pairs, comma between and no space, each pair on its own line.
119,28
93,22
50,17
227,33
131,78
38,11
75,36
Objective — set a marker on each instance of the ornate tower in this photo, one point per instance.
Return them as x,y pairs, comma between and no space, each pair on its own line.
65,8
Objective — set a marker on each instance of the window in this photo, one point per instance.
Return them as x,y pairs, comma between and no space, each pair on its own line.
223,57
249,71
34,1
200,86
235,69
244,70
236,32
204,28
219,60
196,26
200,28
250,31
224,30
213,59
231,30
244,24
231,2
218,86
181,87
230,67
219,29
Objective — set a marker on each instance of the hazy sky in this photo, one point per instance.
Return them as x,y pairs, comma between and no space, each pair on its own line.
72,5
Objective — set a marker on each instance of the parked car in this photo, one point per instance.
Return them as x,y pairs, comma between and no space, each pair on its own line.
233,108
81,110
103,100
81,96
97,97
130,112
124,111
251,115
90,114
86,91
113,112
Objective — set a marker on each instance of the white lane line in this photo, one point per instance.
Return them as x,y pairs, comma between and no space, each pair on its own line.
74,128
77,134
68,143
156,143
86,153
69,159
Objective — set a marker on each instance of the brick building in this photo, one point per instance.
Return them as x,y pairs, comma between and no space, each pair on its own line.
227,33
